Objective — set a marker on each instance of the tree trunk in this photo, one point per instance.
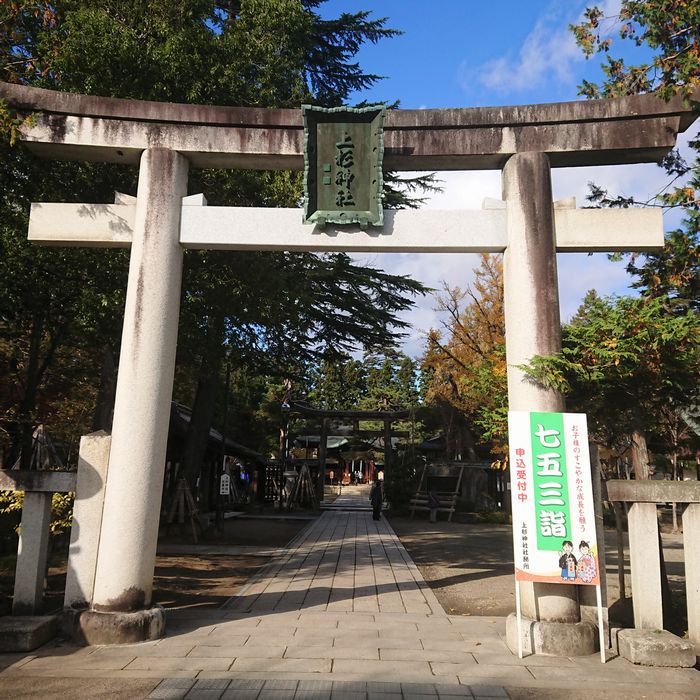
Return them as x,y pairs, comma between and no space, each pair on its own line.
198,432
22,441
640,455
204,406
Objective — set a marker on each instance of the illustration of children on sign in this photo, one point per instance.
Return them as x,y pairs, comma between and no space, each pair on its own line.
586,568
567,562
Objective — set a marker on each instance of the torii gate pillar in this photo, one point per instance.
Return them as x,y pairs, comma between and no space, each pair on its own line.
533,327
121,605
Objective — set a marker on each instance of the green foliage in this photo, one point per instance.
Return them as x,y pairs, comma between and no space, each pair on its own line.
11,503
623,361
671,28
269,314
639,368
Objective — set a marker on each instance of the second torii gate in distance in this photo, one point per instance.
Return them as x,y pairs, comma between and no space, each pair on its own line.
166,139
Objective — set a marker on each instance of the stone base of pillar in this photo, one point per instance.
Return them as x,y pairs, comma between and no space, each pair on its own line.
26,632
93,627
552,638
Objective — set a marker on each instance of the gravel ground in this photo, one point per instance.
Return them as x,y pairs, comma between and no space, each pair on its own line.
470,567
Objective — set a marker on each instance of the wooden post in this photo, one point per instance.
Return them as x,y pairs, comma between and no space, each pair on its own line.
322,450
388,456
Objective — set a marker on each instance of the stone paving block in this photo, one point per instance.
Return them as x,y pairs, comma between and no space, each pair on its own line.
276,694
401,631
510,659
442,634
186,683
280,684
685,676
383,696
318,620
314,690
348,695
132,652
220,639
171,689
258,651
351,686
215,651
419,689
195,694
245,684
309,638
379,687
324,652
187,664
273,666
280,619
476,670
212,684
437,644
458,657
240,694
266,632
451,691
477,675
355,637
401,617
497,646
435,622
167,694
398,643
386,670
489,691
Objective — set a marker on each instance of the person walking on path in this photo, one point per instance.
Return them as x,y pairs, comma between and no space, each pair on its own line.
375,498
433,504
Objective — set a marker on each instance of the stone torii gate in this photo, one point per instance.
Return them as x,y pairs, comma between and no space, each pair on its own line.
166,139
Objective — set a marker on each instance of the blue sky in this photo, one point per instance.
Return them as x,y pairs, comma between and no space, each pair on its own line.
468,53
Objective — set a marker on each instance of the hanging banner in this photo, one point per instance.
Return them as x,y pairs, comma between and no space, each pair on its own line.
554,535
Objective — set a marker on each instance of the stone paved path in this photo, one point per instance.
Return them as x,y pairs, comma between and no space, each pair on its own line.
342,613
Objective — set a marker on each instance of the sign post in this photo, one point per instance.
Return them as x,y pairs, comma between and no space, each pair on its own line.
554,532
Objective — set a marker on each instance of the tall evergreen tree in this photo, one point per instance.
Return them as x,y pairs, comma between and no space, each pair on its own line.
271,311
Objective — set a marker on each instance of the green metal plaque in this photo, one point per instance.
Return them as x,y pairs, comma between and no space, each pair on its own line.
343,152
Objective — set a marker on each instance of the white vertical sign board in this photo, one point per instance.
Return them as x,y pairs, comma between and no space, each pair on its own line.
554,532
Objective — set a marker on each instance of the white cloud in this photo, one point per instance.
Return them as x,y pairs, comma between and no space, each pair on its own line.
547,55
